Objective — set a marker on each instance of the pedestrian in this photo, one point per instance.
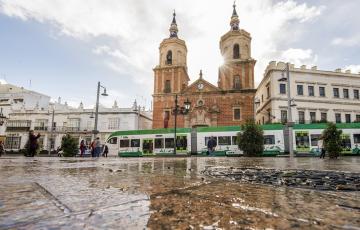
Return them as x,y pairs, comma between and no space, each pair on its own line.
321,147
92,147
82,148
106,151
97,147
33,143
211,146
2,148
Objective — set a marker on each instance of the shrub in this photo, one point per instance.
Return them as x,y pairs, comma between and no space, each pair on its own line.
69,146
332,140
251,140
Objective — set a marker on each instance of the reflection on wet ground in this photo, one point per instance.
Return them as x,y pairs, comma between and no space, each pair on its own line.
166,193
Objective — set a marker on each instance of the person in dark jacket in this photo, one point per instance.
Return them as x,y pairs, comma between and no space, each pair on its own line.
33,143
106,151
211,145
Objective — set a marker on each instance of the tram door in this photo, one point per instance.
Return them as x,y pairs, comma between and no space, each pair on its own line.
148,146
193,141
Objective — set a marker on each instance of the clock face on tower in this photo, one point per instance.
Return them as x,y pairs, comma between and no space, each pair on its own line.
200,86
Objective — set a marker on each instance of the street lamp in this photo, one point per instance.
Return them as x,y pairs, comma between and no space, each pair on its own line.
290,102
179,111
3,118
99,86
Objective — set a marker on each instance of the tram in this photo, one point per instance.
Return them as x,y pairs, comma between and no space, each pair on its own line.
160,142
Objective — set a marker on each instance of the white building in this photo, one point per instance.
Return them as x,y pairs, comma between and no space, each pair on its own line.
26,113
14,97
317,95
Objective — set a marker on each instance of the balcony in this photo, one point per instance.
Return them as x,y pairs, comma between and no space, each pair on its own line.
63,129
18,126
41,128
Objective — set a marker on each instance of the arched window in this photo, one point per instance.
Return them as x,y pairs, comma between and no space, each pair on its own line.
169,58
236,51
237,83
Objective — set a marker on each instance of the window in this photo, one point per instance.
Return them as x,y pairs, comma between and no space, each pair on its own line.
314,138
114,123
338,117
234,140
262,98
357,118
225,140
324,117
268,92
166,118
237,84
169,143
135,143
208,138
301,117
322,91
313,117
311,90
169,58
18,100
348,118
336,92
236,51
159,143
356,138
269,139
167,88
12,142
283,116
112,141
356,94
282,88
41,124
346,93
237,114
124,143
300,89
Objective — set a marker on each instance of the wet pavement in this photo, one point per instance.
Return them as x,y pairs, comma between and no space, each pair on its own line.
167,193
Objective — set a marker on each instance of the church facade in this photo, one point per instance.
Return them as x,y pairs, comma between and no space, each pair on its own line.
230,102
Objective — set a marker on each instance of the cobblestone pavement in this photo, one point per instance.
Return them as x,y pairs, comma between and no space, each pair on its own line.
167,193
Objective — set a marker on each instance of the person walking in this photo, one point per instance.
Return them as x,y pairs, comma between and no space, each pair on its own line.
211,146
33,143
97,147
2,148
82,148
92,147
321,147
106,151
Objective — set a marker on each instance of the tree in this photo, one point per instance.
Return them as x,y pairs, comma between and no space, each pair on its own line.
251,140
69,146
332,140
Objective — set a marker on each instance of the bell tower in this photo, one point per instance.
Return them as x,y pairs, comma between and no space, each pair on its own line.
237,72
171,73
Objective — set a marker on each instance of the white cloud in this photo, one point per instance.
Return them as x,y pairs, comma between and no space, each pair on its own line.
299,56
353,68
349,41
134,29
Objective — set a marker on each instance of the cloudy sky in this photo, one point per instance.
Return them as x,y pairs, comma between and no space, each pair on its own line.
62,48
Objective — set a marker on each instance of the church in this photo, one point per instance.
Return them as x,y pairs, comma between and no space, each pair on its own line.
230,102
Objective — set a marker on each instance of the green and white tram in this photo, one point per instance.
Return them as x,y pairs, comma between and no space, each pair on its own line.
194,141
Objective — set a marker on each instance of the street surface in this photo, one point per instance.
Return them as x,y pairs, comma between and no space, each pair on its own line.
166,193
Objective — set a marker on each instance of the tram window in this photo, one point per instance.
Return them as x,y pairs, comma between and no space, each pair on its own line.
124,143
112,141
234,140
346,142
269,139
208,138
159,143
225,140
181,142
169,143
357,138
314,139
135,143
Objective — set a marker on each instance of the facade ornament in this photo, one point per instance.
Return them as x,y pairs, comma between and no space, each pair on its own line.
173,27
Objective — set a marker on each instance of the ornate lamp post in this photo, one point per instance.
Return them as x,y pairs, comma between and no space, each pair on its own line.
96,131
179,110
